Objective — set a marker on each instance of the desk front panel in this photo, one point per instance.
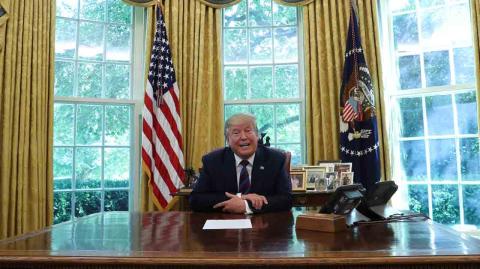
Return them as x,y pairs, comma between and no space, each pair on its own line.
177,239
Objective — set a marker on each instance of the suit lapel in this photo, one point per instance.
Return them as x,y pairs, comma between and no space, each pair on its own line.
230,172
257,170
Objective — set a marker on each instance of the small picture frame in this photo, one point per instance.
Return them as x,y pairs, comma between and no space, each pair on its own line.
313,174
298,179
328,164
346,178
342,167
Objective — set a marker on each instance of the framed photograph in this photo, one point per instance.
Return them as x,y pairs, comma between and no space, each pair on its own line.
330,180
313,174
329,166
342,167
298,179
347,178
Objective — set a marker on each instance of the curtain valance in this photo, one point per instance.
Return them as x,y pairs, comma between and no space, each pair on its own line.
218,3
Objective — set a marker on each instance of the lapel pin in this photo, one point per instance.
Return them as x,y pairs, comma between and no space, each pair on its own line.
262,168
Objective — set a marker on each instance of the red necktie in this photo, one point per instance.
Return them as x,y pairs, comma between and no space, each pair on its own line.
244,182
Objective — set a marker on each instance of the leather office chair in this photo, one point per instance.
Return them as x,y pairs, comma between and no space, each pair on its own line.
288,160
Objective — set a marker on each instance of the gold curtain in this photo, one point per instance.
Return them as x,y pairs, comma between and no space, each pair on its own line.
210,3
194,31
325,29
26,116
294,2
475,14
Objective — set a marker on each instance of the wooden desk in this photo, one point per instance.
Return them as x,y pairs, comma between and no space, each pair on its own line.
300,199
176,240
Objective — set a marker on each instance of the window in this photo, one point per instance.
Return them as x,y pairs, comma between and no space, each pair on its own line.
432,101
94,108
262,72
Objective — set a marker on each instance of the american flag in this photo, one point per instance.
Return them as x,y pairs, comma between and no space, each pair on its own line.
162,154
348,112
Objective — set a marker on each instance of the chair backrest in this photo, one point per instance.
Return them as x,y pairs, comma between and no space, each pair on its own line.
288,159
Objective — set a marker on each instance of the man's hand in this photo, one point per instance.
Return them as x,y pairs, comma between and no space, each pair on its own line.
257,200
233,205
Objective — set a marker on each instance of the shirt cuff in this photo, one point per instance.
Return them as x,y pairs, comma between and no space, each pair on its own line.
248,210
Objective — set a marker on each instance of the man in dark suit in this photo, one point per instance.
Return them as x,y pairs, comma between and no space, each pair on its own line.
244,177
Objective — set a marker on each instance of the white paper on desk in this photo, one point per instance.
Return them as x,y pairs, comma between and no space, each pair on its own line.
217,224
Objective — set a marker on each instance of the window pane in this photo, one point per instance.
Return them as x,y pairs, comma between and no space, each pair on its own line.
413,160
88,167
435,29
260,46
92,10
91,41
261,82
67,8
467,112
235,46
234,109
89,125
402,5
288,123
62,168
286,81
286,45
117,125
119,12
418,199
87,203
405,31
64,77
460,25
410,73
65,38
265,121
90,80
284,15
235,83
471,206
464,65
437,68
117,167
117,80
411,116
443,163
439,114
116,201
63,124
470,158
260,12
235,15
118,42
296,151
62,206
445,204
431,3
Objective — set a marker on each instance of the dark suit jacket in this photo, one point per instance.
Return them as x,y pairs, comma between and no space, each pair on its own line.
219,175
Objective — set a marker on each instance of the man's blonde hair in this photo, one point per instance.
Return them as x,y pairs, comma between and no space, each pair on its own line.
238,119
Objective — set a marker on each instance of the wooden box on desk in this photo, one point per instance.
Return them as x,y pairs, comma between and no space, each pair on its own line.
321,222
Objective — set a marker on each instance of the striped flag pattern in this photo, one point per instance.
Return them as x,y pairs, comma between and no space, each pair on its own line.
162,155
348,112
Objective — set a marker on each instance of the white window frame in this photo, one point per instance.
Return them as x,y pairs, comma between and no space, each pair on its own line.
272,101
392,92
137,82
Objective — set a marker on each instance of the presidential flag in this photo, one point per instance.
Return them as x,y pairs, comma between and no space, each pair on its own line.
358,122
162,156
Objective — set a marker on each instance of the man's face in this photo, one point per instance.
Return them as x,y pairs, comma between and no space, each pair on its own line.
243,139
